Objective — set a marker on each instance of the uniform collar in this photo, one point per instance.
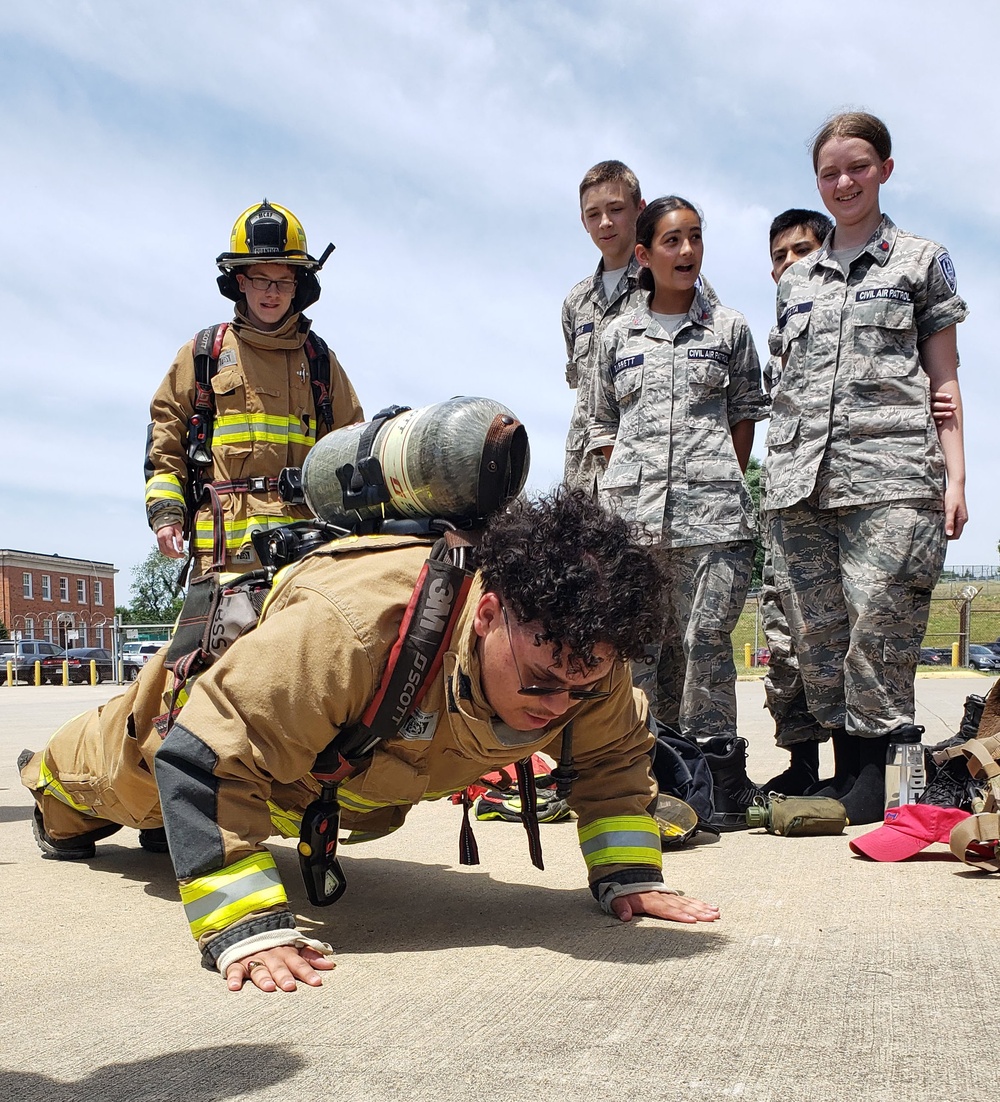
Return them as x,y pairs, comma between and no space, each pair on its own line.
700,314
290,334
878,246
630,279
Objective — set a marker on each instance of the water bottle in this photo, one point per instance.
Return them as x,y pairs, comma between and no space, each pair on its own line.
905,777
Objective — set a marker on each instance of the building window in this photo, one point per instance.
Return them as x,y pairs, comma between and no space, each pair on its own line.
29,627
81,591
46,587
64,589
99,641
98,594
47,629
26,583
82,629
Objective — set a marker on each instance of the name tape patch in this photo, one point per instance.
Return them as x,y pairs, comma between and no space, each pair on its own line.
581,330
228,357
798,308
624,364
715,354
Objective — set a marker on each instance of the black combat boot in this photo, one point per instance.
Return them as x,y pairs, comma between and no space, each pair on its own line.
865,803
733,792
846,767
802,771
951,784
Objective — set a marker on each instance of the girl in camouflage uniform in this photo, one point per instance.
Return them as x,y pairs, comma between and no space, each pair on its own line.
863,490
677,396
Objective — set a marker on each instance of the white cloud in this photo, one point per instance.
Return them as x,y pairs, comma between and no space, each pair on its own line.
439,144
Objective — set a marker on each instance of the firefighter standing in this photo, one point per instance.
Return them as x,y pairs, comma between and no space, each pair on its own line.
242,403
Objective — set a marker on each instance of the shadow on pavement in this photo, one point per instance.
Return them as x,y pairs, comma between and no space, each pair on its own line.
225,1071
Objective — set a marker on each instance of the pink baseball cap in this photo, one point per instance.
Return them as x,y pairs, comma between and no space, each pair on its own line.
907,830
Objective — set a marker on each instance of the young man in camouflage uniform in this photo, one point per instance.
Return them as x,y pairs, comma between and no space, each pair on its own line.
610,202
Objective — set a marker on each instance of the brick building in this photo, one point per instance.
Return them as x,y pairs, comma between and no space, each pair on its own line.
70,602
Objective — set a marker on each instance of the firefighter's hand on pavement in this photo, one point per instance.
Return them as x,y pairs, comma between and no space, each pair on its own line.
677,908
279,967
170,540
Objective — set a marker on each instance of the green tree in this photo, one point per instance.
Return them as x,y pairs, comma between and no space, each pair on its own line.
753,476
156,596
4,633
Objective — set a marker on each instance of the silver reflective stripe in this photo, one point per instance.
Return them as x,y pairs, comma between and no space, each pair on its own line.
238,889
621,839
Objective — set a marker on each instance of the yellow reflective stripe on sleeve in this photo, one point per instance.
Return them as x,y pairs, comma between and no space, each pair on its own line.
287,823
237,531
218,899
164,487
621,840
353,802
48,781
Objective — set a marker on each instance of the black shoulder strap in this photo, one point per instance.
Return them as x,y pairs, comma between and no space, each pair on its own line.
414,661
207,348
318,354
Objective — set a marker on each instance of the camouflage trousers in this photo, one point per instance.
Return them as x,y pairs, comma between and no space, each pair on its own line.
783,692
855,585
690,677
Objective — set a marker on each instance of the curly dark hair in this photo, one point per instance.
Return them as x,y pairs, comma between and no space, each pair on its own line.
584,574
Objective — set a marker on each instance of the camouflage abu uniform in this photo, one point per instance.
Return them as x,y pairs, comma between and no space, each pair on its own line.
783,691
585,315
667,404
855,473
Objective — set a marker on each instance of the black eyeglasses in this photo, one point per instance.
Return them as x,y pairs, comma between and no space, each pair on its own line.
262,283
547,690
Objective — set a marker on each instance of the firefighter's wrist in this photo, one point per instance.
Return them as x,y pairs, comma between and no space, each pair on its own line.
270,939
162,514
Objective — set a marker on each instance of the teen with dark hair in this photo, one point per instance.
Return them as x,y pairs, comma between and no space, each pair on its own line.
564,596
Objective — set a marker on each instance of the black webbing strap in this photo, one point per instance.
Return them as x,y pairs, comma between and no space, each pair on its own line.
468,848
529,809
318,354
362,481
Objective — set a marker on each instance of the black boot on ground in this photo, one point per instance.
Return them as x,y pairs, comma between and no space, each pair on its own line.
846,767
865,803
802,771
80,848
733,791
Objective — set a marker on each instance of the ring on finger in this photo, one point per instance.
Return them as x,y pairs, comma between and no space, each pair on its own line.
252,964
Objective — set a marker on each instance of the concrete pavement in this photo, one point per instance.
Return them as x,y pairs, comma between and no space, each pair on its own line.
830,978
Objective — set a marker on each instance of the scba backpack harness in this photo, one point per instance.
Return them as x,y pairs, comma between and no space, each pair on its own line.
207,349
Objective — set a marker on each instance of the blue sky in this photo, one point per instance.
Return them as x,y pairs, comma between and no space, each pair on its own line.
439,145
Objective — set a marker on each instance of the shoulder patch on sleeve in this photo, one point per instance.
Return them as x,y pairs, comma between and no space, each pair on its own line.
947,267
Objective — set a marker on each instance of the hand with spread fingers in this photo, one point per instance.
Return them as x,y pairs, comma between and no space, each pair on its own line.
676,908
278,968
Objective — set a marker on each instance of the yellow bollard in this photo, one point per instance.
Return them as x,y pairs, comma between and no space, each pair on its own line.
93,672
10,673
954,654
65,666
38,673
747,655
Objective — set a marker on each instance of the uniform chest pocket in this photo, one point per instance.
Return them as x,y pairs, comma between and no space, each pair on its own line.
885,338
796,328
232,431
628,386
706,376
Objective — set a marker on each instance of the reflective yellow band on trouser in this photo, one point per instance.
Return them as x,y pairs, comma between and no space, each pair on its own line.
48,783
621,840
164,487
237,531
218,899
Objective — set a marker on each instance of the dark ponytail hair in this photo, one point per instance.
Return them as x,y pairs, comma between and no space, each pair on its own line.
645,228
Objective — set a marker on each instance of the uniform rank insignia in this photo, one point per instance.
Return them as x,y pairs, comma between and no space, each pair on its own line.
948,271
623,365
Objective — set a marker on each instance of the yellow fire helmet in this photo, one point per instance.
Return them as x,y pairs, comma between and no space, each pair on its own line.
269,233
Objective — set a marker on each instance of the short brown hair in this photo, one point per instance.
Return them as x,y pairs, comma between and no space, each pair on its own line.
612,172
854,124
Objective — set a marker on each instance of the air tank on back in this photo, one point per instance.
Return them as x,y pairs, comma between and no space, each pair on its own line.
459,460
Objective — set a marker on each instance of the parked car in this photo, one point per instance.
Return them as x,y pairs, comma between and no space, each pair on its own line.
23,654
982,658
136,655
78,659
994,646
935,656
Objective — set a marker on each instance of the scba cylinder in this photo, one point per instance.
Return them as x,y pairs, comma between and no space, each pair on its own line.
459,460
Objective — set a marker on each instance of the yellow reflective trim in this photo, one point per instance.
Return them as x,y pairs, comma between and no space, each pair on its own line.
50,783
353,802
618,822
621,840
218,899
625,855
164,486
287,823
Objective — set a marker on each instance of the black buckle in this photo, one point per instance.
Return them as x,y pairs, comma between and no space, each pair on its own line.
257,484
